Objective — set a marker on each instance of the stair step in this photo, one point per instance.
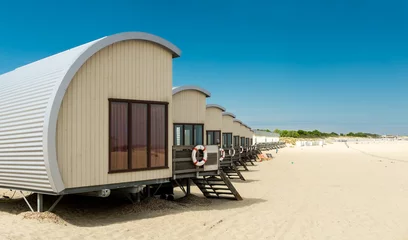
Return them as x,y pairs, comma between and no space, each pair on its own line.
225,197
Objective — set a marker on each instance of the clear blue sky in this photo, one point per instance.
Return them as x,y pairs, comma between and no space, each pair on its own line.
328,65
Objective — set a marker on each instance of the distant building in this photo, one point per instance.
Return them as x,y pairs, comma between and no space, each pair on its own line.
390,137
264,136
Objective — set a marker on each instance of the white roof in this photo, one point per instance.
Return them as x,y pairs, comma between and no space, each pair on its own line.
30,98
216,106
229,114
191,87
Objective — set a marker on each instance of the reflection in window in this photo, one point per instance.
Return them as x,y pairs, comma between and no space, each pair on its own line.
178,135
198,135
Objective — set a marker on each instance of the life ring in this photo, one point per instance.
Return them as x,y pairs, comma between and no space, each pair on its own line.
231,152
194,155
222,154
241,149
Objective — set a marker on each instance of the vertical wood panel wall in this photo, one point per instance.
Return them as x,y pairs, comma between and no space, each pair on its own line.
213,119
227,124
237,128
134,69
189,107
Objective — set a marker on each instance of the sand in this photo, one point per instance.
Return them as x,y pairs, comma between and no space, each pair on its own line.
332,192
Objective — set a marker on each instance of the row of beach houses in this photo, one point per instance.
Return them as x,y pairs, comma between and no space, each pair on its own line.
105,116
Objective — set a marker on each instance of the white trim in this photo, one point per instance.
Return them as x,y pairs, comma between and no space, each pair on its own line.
216,106
228,114
191,87
51,114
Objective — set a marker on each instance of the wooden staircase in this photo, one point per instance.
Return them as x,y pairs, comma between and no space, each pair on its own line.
217,186
232,172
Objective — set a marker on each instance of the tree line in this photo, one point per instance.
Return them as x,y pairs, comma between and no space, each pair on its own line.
318,134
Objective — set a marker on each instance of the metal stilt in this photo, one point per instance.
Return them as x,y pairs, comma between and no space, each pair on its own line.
55,203
25,199
188,185
40,203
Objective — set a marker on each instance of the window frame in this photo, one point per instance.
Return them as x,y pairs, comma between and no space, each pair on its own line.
193,135
214,131
235,143
226,135
148,140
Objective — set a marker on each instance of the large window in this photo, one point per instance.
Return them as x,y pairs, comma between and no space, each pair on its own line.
188,134
236,141
226,140
137,135
247,142
213,137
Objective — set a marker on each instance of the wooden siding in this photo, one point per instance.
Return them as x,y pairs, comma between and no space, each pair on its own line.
213,119
237,128
134,69
190,107
227,124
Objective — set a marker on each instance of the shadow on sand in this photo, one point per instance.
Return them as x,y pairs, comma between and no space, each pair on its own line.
86,211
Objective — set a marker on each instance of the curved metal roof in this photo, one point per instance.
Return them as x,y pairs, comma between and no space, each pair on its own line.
30,100
228,114
216,106
236,120
191,87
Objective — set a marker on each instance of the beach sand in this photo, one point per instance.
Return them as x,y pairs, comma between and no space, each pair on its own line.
332,192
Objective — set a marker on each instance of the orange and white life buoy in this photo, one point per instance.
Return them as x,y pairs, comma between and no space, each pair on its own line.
222,152
231,151
194,155
241,149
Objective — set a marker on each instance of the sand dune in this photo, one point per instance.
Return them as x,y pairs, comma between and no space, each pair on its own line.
333,192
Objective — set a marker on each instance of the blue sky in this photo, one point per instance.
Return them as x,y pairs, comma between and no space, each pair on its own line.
328,65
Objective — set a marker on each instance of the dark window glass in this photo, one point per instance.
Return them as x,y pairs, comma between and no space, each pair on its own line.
139,135
210,138
236,141
188,135
198,135
217,137
178,135
158,135
224,140
247,142
229,140
135,142
213,137
242,141
119,147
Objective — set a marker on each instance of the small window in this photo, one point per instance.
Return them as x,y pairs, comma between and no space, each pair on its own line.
213,137
226,140
236,141
119,144
188,134
242,141
210,138
178,135
198,135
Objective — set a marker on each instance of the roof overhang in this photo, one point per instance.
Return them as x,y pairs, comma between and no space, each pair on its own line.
192,88
228,114
216,106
